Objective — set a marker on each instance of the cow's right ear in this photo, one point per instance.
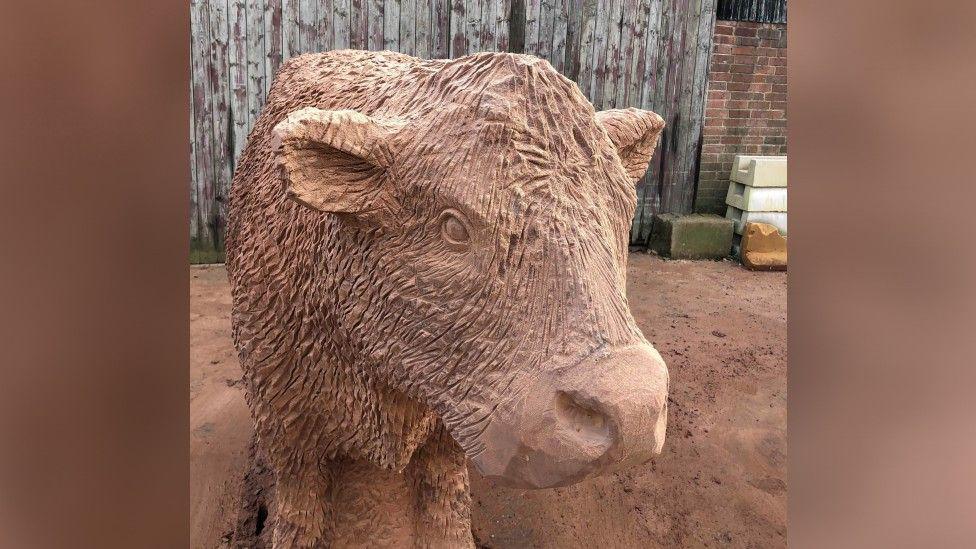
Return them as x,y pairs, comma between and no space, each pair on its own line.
334,161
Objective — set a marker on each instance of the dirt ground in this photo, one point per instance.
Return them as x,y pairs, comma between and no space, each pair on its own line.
720,481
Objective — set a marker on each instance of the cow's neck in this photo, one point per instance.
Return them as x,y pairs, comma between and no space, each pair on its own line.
427,505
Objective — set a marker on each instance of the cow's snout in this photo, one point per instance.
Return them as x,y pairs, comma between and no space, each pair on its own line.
604,413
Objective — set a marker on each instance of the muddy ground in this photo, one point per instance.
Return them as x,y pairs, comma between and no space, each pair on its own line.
720,481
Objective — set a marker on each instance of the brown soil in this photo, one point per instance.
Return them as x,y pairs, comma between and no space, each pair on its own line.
720,481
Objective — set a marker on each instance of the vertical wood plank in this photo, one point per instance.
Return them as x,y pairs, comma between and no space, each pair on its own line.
391,25
375,38
203,124
701,58
544,41
585,58
635,81
212,205
611,63
503,11
308,25
421,29
533,11
601,30
625,63
472,26
357,25
560,31
574,15
238,77
487,37
459,40
290,29
440,30
256,58
341,25
670,147
201,127
273,44
408,22
324,32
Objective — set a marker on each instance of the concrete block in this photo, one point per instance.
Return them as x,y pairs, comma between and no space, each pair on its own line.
696,236
741,217
763,248
759,171
756,199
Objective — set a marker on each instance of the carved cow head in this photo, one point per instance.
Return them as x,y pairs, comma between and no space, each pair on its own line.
491,207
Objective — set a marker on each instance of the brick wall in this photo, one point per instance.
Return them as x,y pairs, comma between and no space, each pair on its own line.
745,112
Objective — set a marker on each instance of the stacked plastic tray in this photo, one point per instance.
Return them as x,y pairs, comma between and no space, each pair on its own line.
757,193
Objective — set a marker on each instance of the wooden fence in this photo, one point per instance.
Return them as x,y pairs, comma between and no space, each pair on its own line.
651,54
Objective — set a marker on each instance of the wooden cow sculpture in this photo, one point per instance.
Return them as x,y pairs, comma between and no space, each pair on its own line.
428,266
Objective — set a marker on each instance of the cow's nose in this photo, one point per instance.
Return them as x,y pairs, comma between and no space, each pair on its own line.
619,398
605,413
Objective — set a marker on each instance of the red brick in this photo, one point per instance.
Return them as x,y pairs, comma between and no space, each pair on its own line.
725,29
744,59
738,114
715,103
742,30
741,68
723,39
722,48
746,41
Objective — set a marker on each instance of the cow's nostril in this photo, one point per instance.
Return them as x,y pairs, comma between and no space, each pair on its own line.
581,418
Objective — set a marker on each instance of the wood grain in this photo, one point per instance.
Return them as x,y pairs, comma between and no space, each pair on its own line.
651,54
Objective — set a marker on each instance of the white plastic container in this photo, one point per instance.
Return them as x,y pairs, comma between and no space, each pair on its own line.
756,199
740,217
759,171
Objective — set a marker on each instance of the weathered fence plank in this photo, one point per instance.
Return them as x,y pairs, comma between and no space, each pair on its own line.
391,25
237,57
213,201
375,18
273,43
290,17
340,22
440,29
202,135
647,53
256,47
421,29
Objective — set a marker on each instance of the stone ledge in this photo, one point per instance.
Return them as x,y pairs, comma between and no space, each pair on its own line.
694,236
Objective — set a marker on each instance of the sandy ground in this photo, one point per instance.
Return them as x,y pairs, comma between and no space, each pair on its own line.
720,481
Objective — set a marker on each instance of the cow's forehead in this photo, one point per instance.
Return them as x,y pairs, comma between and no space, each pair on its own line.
508,134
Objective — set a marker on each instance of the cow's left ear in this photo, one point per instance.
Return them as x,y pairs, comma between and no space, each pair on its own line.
634,133
335,161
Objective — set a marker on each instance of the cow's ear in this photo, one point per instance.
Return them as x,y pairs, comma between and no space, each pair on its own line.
634,133
334,161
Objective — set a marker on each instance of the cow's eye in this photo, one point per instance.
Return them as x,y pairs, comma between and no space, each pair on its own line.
454,228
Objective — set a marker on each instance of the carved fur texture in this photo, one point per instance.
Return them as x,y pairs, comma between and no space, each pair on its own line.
428,264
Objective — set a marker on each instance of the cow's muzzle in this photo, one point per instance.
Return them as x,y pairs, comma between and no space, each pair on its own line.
607,412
